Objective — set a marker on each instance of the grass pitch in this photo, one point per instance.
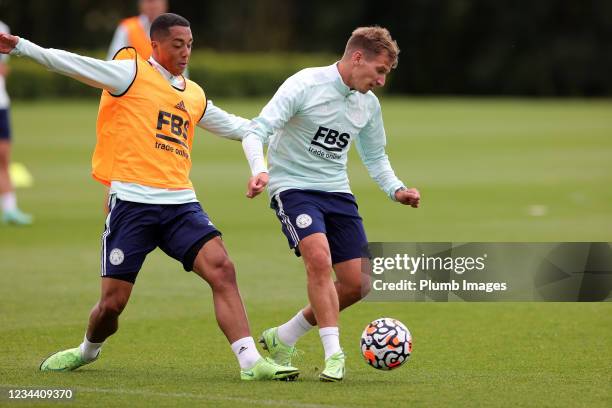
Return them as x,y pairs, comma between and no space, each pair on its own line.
488,170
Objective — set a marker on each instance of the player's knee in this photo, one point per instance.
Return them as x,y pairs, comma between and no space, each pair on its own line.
223,274
364,290
319,263
112,306
227,272
356,291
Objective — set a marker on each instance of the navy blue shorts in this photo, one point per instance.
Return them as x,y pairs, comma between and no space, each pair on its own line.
134,229
5,125
305,212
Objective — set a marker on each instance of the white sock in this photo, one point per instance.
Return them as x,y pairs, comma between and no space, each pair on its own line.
290,332
89,350
9,201
246,352
330,337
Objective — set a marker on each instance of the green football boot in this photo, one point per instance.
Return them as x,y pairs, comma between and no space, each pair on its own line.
334,368
266,369
16,217
279,351
67,360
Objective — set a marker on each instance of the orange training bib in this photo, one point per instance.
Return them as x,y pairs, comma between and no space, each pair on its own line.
145,135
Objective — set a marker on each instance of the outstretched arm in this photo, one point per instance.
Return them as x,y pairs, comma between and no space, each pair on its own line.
222,123
114,76
371,148
226,125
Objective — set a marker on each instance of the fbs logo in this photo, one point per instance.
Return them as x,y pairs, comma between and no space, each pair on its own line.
330,139
181,106
178,127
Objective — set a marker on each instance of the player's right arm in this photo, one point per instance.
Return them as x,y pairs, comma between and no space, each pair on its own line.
277,112
114,76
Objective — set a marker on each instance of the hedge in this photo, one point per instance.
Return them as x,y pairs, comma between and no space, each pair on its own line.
220,74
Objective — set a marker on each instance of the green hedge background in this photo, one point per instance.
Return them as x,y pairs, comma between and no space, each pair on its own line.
543,48
220,74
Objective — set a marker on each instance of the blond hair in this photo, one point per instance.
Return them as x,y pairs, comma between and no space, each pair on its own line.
373,40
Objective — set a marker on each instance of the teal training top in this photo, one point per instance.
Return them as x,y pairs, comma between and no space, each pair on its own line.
309,126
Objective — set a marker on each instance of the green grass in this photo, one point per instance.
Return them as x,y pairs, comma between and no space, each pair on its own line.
481,166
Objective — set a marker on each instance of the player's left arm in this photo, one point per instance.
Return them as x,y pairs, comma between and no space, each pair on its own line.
222,123
370,144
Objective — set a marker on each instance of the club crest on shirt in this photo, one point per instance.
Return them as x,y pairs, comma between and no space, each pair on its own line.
356,112
357,116
323,109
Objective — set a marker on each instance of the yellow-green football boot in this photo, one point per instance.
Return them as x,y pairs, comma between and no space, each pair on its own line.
66,360
334,368
267,369
279,351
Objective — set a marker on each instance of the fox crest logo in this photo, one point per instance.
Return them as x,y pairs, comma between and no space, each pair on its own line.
330,139
116,257
303,220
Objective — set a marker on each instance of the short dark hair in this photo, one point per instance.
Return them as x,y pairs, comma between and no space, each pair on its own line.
161,25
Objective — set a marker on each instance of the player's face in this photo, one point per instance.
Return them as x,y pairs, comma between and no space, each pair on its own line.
370,72
173,51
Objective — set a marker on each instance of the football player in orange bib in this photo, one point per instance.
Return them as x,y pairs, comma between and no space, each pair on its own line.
146,120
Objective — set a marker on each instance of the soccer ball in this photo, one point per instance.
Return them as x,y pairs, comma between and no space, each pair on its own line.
386,343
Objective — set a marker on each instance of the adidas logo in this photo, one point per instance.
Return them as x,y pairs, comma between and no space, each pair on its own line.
181,106
243,348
